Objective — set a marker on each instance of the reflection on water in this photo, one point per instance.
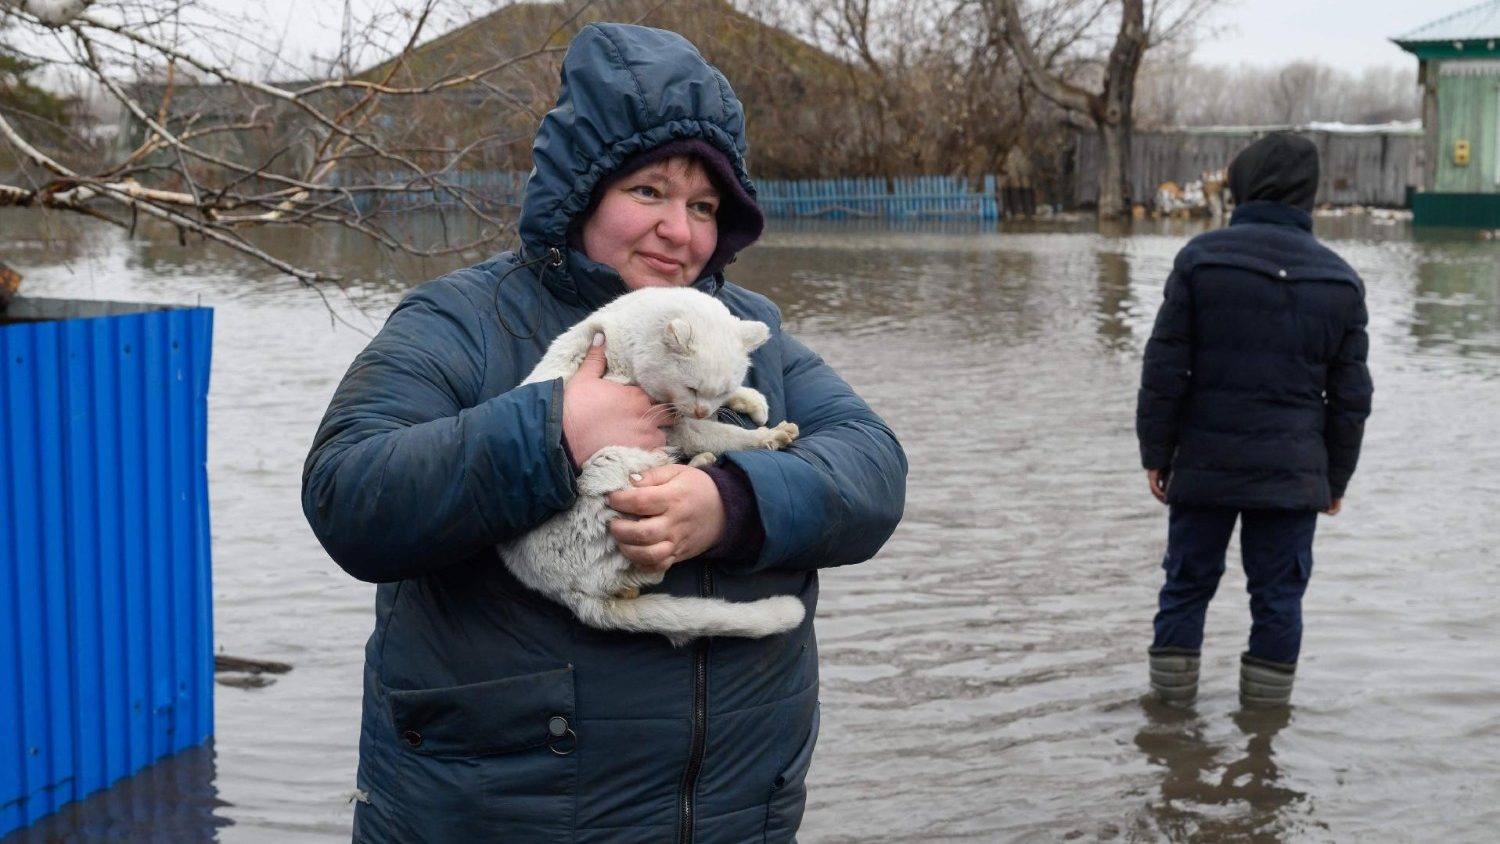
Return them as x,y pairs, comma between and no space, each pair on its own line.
1229,789
982,676
173,800
1115,302
1457,302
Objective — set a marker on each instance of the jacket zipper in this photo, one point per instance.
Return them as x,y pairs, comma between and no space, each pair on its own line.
700,724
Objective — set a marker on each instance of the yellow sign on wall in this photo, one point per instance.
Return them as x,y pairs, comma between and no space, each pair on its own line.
1461,153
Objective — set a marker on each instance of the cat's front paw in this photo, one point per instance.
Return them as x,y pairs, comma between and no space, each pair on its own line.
780,436
701,459
749,403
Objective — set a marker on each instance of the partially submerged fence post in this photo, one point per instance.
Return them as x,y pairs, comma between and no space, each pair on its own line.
106,657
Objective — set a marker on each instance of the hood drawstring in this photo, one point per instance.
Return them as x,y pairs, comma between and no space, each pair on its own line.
552,259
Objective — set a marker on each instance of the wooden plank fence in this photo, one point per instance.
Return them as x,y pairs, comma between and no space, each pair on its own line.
903,198
1367,168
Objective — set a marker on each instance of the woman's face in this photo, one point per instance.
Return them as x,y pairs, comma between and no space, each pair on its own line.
656,227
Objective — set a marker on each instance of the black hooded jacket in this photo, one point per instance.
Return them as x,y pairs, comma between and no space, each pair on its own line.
1254,389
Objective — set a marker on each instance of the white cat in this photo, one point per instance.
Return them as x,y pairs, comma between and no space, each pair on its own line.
686,350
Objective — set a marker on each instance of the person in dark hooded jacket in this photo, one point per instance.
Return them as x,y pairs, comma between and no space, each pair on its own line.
491,713
1253,399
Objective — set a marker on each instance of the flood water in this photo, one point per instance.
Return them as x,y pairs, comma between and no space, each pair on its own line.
983,676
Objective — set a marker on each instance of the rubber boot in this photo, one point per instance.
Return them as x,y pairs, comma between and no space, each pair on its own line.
1263,683
1174,675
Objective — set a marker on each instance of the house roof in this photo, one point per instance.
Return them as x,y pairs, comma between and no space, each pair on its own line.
1479,22
510,31
522,27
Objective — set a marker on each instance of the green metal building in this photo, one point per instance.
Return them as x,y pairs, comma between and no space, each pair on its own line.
1460,79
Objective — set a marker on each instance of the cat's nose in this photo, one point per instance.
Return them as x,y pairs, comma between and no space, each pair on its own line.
701,412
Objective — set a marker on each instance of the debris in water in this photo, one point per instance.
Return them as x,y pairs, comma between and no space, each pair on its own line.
246,673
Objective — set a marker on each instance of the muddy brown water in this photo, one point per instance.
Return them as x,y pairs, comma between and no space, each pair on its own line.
983,676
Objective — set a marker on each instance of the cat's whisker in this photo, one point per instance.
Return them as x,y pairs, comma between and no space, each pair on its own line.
660,414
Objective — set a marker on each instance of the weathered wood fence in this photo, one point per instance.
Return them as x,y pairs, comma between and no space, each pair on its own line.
1369,166
1357,168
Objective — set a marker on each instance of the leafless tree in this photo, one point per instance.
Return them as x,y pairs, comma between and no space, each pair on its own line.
1175,93
1294,90
1101,85
918,89
219,151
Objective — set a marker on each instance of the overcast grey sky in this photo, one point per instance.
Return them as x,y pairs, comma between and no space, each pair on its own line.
1350,34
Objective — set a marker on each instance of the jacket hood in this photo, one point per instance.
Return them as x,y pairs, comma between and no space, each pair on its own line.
625,89
1281,167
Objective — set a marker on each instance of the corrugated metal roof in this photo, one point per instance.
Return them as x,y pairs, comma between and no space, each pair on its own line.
106,636
1482,21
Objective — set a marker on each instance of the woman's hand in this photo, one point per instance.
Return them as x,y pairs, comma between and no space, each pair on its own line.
599,413
679,516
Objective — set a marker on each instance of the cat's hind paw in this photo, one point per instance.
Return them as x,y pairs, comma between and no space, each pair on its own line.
701,459
749,402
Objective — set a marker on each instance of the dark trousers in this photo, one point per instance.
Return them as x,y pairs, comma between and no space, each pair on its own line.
1277,549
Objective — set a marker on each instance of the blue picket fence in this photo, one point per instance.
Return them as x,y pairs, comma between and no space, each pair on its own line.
106,634
916,197
905,198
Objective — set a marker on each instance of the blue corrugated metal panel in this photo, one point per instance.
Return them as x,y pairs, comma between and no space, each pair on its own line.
106,646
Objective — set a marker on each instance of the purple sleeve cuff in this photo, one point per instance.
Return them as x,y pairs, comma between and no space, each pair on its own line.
743,534
568,452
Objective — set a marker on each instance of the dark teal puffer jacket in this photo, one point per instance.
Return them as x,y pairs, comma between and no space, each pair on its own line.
490,714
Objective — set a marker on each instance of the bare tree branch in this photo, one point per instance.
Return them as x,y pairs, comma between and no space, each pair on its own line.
135,198
217,151
1006,18
1111,104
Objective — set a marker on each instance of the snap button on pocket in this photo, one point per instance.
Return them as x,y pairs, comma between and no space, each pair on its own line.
560,737
412,738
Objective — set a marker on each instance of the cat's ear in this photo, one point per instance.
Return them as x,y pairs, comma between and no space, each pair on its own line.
753,334
679,335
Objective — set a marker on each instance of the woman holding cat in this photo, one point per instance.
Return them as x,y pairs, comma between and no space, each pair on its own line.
490,712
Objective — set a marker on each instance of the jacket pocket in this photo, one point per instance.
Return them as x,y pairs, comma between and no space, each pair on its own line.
486,719
1172,565
1304,564
789,791
458,763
